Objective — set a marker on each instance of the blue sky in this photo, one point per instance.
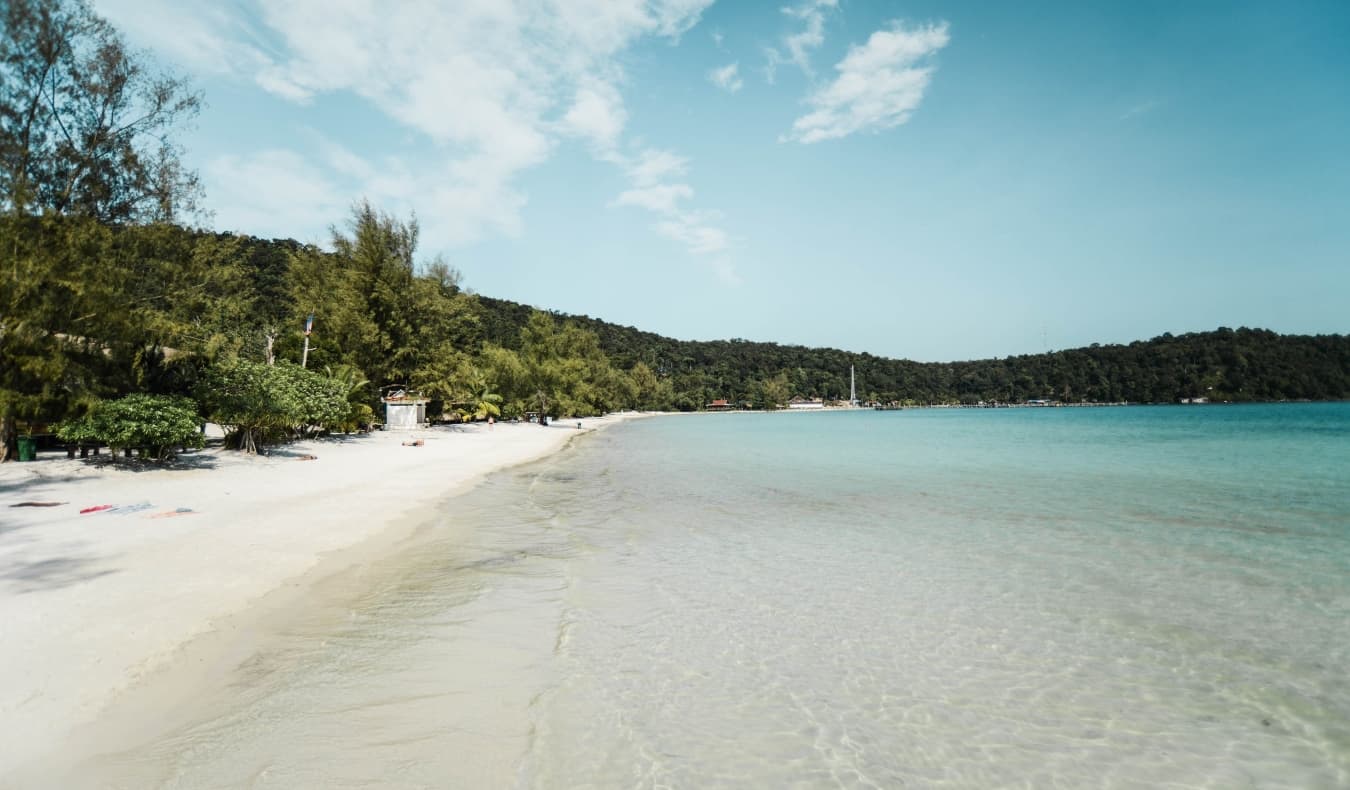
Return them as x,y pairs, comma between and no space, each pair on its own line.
933,181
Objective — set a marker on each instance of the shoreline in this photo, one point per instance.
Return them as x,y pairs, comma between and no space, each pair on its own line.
94,604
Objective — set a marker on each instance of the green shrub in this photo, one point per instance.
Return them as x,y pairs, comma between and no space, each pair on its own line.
357,387
257,403
156,424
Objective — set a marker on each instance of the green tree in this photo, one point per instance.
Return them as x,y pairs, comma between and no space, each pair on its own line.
377,258
477,400
357,388
85,128
542,359
44,307
651,391
91,311
772,393
257,403
563,371
374,310
86,137
445,329
504,368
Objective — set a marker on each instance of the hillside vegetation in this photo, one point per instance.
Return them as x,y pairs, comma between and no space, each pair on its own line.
94,311
1223,365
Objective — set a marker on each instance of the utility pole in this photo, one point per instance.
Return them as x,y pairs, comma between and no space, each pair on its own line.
309,326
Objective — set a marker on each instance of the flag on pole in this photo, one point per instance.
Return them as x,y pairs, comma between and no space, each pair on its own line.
309,324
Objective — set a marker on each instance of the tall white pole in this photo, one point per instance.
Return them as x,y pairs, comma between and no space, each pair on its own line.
309,326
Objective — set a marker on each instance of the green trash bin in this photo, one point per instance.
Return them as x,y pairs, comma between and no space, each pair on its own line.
27,448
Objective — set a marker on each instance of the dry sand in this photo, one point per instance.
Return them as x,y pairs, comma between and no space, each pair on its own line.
91,603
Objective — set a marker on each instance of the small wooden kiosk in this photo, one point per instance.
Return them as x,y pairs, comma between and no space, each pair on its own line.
404,410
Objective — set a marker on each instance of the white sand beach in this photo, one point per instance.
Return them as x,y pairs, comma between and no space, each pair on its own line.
91,603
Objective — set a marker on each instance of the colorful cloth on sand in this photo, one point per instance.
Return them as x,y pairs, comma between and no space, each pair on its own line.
97,509
182,511
122,510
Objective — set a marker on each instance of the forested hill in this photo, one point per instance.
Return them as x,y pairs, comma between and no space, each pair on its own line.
1223,365
90,311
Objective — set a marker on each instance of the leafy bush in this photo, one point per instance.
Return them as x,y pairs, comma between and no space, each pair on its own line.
257,403
157,423
355,384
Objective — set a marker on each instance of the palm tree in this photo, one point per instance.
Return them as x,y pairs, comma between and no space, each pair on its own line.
355,382
479,401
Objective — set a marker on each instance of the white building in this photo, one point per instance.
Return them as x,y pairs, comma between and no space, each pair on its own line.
404,411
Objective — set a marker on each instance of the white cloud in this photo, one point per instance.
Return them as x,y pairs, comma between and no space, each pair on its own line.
490,85
879,85
203,39
727,77
676,17
653,165
651,173
274,81
662,198
270,193
597,114
276,192
693,230
799,45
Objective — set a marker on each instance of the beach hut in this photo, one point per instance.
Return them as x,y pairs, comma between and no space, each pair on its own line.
404,410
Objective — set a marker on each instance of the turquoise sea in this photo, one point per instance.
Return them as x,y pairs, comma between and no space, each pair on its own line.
1096,597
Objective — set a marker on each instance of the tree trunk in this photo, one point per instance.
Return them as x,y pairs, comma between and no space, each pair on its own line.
9,438
543,409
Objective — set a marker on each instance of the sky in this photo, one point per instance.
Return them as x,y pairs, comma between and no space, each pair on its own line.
924,180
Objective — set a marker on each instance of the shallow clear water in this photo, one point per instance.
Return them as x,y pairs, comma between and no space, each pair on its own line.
1130,597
